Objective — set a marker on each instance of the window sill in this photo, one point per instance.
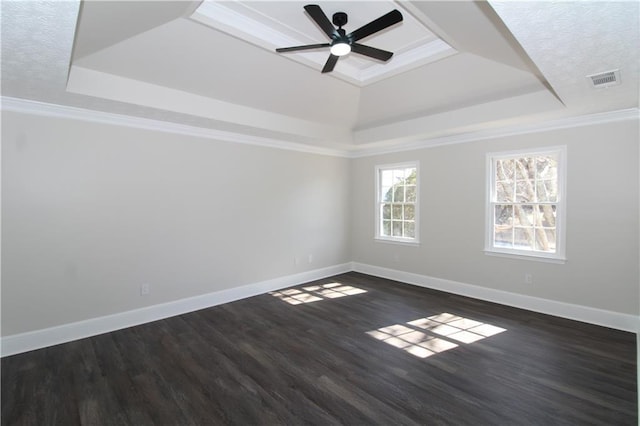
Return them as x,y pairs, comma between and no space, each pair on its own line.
413,243
535,258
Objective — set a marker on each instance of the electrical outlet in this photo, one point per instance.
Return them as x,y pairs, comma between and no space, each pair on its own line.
310,258
145,289
528,278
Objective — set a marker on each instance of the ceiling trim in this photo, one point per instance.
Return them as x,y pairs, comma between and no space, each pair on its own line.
63,111
418,56
492,114
85,81
521,129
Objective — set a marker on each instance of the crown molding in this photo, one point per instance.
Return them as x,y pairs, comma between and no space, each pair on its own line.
478,135
63,111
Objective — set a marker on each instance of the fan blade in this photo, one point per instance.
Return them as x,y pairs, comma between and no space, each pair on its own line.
379,24
321,19
331,63
306,47
372,52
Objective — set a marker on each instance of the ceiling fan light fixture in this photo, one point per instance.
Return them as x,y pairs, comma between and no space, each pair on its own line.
340,49
342,43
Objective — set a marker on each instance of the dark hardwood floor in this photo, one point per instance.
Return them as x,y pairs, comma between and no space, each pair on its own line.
352,349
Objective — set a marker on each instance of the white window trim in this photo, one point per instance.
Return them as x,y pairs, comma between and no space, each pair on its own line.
561,213
397,240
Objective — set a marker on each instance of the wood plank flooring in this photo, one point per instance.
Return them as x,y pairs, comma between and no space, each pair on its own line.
350,349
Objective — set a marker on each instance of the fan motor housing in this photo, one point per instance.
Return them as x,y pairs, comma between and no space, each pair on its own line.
340,19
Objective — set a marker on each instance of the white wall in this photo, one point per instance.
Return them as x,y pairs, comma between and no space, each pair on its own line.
602,218
91,211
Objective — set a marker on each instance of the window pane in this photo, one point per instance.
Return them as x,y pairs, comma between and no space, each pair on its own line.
387,193
525,168
546,216
411,175
386,178
547,190
386,211
410,229
547,167
409,212
530,165
397,228
551,237
524,191
386,228
398,176
503,216
504,191
396,212
523,238
411,194
505,170
503,237
523,215
398,194
545,240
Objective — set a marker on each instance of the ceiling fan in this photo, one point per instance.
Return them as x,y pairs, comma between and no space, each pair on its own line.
343,43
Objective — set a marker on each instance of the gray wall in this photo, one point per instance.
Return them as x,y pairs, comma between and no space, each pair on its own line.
602,218
92,211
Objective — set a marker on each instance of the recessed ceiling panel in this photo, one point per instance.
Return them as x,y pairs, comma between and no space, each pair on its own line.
282,24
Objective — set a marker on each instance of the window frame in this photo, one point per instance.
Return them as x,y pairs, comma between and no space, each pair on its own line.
561,205
378,206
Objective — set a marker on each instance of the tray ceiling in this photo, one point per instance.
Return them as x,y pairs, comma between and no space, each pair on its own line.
270,25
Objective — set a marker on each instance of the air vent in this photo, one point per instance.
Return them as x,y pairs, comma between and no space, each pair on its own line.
605,79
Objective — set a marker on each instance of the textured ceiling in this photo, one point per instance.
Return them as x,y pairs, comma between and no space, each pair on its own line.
580,41
517,62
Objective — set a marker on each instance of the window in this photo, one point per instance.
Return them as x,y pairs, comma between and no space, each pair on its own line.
397,202
526,208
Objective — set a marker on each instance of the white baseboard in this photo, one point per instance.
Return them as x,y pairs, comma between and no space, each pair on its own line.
587,314
38,339
24,342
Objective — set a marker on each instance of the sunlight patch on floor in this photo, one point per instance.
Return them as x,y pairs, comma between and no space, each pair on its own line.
464,330
315,293
424,337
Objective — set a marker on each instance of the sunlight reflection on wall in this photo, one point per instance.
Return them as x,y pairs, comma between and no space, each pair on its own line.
314,293
428,336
